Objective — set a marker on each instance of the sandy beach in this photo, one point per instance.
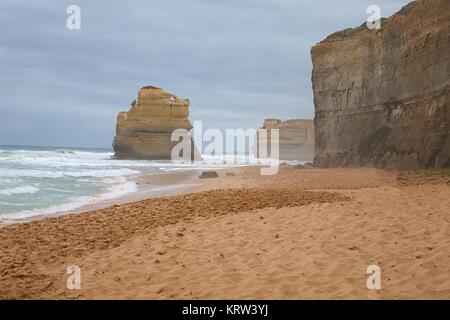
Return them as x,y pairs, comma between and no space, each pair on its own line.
300,234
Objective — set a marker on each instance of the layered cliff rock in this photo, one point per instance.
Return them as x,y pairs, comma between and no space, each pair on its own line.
382,96
144,132
296,139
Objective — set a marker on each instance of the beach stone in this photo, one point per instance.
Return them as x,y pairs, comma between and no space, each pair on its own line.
208,175
308,165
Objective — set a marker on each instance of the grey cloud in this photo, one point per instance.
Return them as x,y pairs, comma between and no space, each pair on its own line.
238,61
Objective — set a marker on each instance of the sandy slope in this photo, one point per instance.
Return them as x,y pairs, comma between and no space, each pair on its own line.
299,234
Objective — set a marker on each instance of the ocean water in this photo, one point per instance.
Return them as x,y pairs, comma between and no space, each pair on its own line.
41,180
38,180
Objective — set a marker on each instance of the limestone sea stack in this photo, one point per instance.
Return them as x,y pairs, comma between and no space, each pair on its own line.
144,132
382,96
296,139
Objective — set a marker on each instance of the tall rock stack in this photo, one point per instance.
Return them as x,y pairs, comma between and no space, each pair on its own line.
144,132
382,96
296,139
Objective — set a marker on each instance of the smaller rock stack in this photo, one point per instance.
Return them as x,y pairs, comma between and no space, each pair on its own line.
296,139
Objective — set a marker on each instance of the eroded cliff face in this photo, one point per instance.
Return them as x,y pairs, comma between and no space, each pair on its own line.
296,139
144,132
382,96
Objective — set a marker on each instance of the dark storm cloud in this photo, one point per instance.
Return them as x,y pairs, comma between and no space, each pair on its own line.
238,61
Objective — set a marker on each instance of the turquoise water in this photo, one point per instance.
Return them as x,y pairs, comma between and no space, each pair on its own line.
40,180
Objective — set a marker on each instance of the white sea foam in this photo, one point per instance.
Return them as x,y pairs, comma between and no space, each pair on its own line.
60,174
19,190
67,159
11,204
118,190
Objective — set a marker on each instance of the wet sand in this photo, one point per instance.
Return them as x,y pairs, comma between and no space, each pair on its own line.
301,234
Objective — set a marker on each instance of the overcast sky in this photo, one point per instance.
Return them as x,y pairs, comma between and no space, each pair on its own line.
238,61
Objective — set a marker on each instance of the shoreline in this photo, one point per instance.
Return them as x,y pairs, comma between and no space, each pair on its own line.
124,182
149,184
